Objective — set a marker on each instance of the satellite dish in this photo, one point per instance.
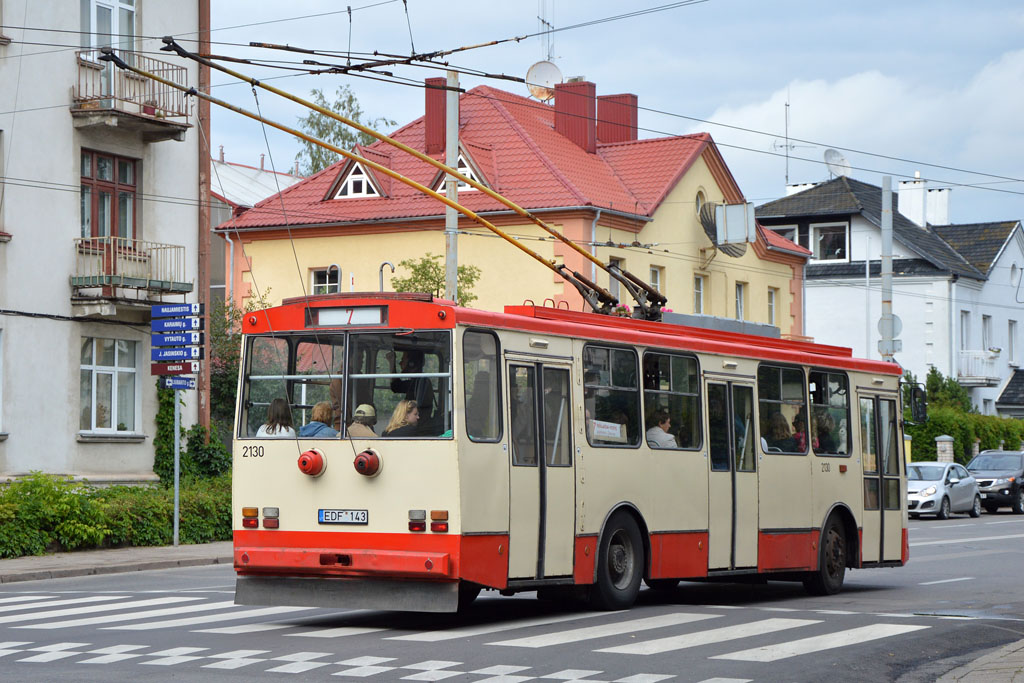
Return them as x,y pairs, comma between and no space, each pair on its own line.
541,79
837,163
710,224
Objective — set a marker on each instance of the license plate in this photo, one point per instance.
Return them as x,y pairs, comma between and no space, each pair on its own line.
343,516
984,495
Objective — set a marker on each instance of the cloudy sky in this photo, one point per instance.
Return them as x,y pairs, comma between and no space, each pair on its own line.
930,85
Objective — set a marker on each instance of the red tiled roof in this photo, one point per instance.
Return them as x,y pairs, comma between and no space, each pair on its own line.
512,141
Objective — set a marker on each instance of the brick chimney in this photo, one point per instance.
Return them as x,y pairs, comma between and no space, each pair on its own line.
575,109
434,121
616,118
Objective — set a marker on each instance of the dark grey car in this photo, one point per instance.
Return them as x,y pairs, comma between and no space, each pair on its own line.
999,475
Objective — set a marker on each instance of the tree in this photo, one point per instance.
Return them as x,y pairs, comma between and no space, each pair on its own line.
314,158
427,275
946,391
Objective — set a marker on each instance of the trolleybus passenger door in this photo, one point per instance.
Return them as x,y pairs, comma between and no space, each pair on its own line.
882,523
542,498
732,481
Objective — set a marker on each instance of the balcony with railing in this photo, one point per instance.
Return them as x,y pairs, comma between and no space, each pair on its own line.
105,265
105,96
978,369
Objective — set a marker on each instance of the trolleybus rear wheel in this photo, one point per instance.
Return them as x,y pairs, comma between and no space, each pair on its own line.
828,579
620,564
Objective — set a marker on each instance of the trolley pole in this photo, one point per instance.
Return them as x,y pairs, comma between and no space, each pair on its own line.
451,188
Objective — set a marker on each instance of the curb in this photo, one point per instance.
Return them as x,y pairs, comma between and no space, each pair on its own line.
1005,664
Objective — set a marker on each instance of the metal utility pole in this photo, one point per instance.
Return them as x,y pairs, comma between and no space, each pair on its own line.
889,325
451,188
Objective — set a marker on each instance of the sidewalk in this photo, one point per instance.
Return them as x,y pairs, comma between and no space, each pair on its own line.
1005,665
90,562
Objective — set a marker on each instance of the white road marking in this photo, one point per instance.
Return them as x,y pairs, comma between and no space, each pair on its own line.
718,635
171,623
299,662
469,631
11,647
1006,521
500,670
365,666
643,678
772,653
52,653
934,583
618,628
339,632
177,655
92,608
134,616
61,603
969,539
25,598
571,674
114,653
727,680
236,659
245,628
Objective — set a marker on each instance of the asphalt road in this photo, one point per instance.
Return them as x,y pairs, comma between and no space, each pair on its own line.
957,599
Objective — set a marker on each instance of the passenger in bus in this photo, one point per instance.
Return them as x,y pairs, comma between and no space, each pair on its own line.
417,389
404,419
279,421
800,433
335,390
825,427
363,420
658,435
318,427
779,435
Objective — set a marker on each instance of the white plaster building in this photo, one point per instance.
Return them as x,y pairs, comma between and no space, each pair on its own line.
956,288
99,219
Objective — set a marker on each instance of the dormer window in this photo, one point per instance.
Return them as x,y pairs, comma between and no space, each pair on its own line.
356,184
466,170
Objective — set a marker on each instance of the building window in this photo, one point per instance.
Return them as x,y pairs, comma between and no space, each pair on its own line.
793,233
326,280
829,242
986,332
108,23
1011,342
988,406
656,278
466,170
965,330
699,201
356,184
772,298
698,294
107,385
613,284
741,292
108,196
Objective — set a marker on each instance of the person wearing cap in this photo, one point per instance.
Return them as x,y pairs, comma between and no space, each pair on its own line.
363,420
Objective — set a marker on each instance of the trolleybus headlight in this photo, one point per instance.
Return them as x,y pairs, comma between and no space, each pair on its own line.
312,462
367,463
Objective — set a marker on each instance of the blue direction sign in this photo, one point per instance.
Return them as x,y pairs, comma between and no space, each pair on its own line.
177,324
175,310
184,353
177,383
177,339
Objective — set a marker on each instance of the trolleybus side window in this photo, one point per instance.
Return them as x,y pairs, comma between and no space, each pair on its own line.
671,391
481,389
782,405
611,396
266,369
830,412
384,369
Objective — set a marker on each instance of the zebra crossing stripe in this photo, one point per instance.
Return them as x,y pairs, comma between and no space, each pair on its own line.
853,636
35,616
25,598
60,603
614,629
11,647
177,655
112,654
718,635
236,659
133,616
299,662
484,629
51,653
172,623
339,632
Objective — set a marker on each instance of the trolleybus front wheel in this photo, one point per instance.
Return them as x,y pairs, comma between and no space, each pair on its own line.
828,579
620,564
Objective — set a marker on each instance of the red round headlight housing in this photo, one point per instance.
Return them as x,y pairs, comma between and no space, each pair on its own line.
367,463
312,462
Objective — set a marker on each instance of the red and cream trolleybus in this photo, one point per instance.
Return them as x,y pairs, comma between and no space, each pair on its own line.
543,449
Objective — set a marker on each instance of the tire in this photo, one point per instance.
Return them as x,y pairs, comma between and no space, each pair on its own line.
976,508
943,512
620,564
828,579
1018,502
991,509
467,594
662,585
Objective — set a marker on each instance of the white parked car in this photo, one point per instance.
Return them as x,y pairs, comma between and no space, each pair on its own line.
940,488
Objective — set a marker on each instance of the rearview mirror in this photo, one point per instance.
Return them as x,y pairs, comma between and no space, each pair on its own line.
918,404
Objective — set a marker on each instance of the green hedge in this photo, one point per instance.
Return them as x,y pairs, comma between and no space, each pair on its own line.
41,513
964,428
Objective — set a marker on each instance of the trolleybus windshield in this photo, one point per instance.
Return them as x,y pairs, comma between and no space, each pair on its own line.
361,375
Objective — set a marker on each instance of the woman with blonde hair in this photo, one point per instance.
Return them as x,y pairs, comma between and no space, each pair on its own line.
404,419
